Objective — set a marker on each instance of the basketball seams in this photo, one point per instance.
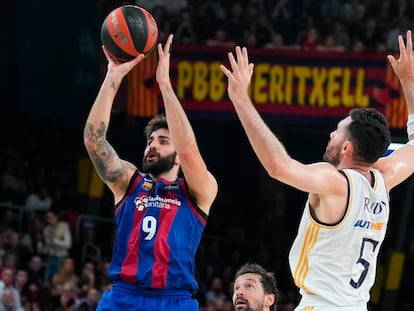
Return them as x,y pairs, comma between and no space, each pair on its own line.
128,31
152,33
136,29
124,36
112,36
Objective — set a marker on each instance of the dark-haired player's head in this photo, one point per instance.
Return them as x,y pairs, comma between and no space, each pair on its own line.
367,130
255,289
159,155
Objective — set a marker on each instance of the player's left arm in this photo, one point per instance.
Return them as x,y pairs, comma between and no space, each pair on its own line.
202,184
400,164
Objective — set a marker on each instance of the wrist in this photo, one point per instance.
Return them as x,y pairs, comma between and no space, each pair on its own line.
410,124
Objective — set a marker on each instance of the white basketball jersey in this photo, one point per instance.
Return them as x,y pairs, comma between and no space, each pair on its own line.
335,265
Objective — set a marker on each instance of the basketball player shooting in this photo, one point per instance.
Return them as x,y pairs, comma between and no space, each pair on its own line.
160,217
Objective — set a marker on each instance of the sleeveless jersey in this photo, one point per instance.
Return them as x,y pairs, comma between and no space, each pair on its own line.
159,229
334,266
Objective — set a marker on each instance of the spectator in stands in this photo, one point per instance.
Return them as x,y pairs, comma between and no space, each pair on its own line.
358,46
90,302
331,10
36,270
15,247
329,44
235,24
66,301
102,279
7,286
354,12
311,40
87,277
255,289
35,282
371,35
400,26
160,14
172,7
250,40
184,28
22,286
9,260
7,301
208,16
39,200
281,16
66,273
215,292
277,43
33,238
262,29
220,39
340,32
58,239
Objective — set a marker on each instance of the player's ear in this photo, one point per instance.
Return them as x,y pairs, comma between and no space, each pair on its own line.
347,147
270,300
177,160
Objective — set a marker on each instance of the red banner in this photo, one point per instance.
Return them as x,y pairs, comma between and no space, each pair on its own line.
292,86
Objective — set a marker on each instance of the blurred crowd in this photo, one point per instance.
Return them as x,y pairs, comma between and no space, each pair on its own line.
361,26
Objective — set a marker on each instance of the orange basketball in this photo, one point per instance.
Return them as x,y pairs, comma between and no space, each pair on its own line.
128,31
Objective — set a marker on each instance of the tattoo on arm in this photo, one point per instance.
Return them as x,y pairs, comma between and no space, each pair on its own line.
103,156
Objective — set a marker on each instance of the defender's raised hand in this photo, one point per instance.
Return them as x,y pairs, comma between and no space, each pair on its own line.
404,65
240,74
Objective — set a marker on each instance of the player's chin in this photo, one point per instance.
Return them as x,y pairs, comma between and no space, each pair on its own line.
150,161
241,306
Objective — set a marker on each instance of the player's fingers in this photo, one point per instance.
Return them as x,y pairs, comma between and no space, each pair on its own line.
245,56
139,58
107,55
225,71
240,58
401,44
392,60
251,68
168,44
160,51
232,60
409,41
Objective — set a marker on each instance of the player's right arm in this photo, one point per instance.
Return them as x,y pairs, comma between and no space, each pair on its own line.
320,178
114,172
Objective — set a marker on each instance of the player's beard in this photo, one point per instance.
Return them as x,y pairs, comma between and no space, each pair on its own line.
331,154
162,165
249,308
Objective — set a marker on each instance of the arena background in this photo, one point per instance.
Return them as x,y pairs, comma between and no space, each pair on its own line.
52,66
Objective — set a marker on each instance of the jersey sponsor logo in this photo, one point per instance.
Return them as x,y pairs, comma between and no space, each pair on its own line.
143,201
147,185
374,207
366,224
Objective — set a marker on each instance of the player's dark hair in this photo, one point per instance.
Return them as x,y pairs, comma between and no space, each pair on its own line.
369,133
267,279
157,122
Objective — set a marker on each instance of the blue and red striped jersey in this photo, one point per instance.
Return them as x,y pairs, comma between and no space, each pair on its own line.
159,229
